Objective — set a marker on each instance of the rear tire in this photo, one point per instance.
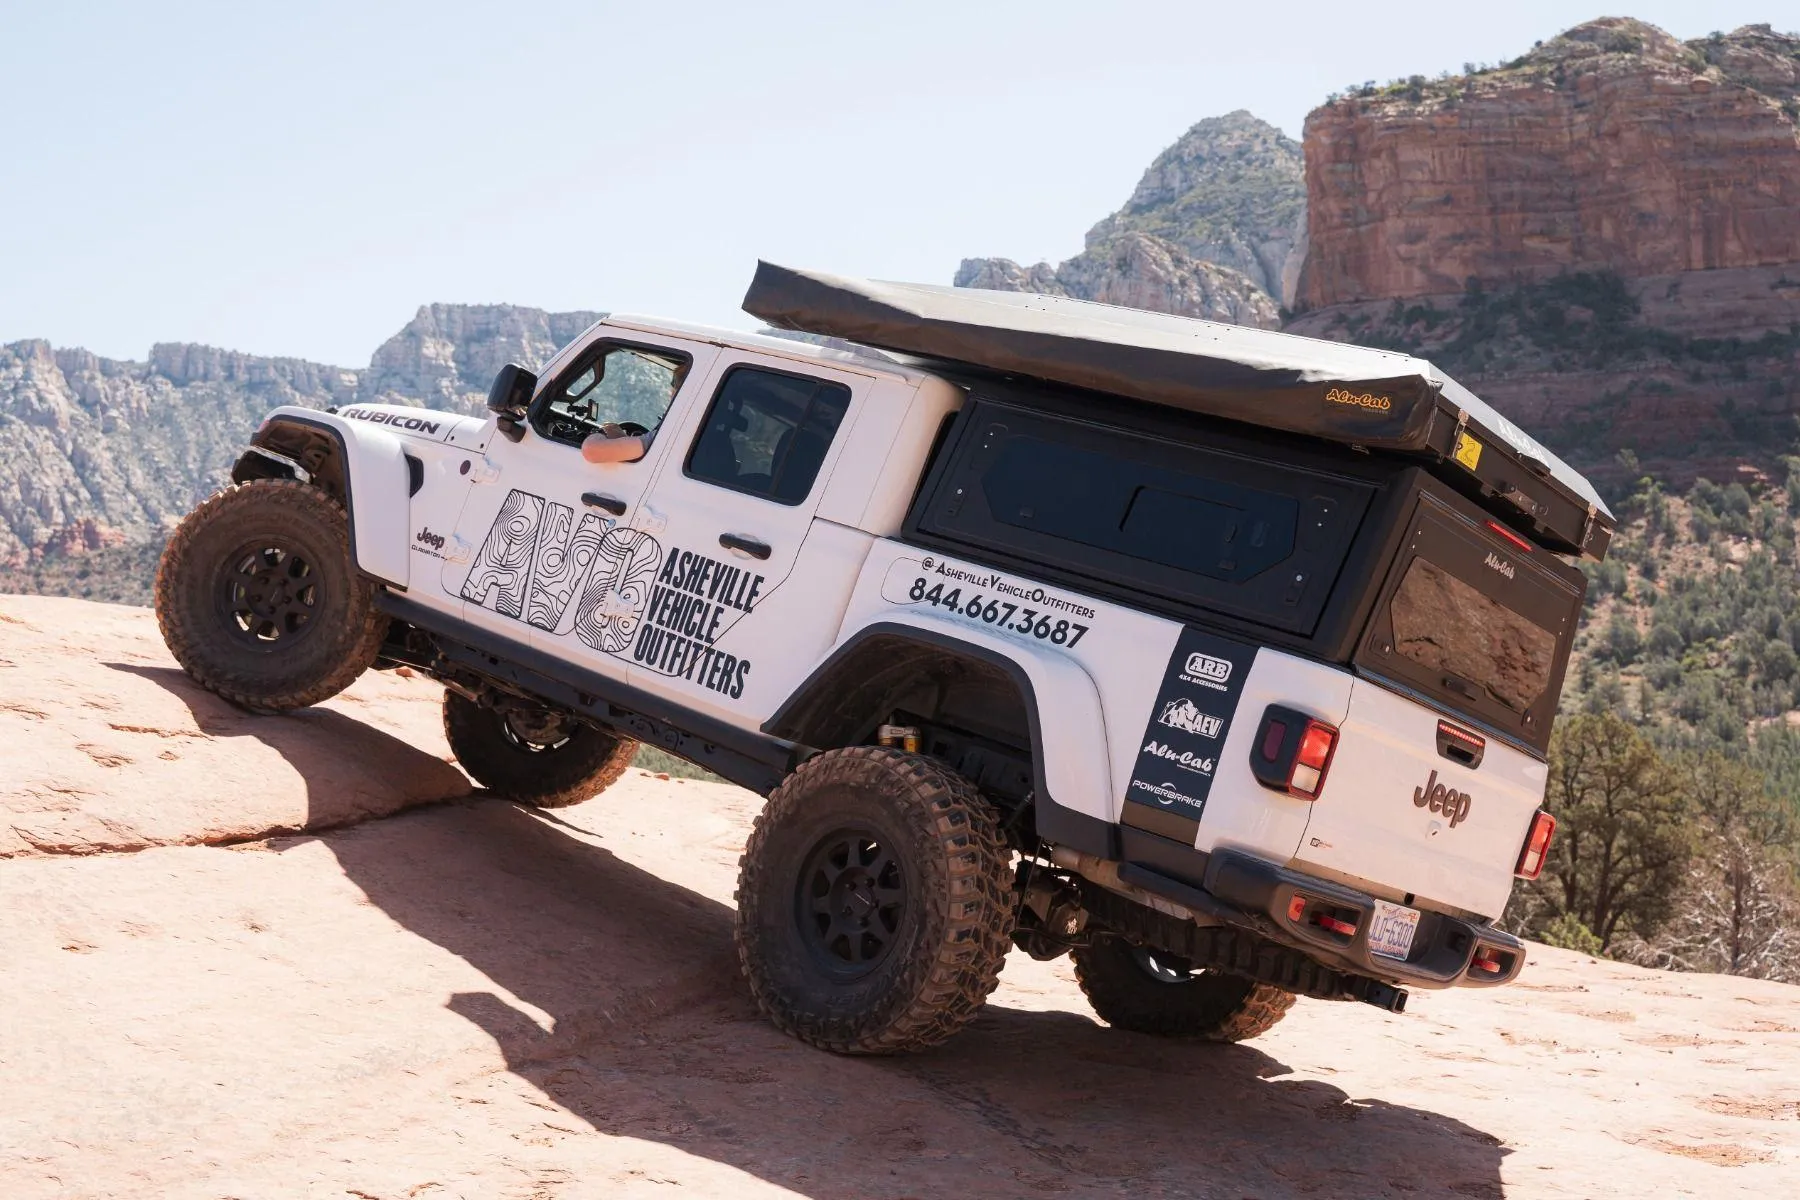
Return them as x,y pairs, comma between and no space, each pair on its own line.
537,757
258,600
874,902
1145,991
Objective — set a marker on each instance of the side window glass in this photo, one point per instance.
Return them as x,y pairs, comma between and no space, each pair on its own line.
629,386
767,433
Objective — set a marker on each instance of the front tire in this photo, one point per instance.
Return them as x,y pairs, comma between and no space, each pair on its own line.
1146,991
535,756
258,600
873,902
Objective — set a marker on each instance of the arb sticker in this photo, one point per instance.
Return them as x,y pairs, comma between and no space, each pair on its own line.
1179,754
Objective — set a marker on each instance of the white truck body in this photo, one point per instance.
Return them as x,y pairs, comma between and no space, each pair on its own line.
494,535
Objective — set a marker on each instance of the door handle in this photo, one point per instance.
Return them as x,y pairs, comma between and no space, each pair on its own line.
611,504
750,546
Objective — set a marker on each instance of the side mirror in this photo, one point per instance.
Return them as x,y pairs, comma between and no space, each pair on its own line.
511,394
510,397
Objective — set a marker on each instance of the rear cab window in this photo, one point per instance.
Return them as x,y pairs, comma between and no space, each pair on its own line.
766,433
1477,621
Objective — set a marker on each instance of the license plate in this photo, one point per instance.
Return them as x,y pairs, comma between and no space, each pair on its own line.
1391,932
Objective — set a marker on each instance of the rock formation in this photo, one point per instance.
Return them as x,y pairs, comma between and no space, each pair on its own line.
1612,147
1210,232
447,355
1602,237
105,745
1136,270
1230,191
93,448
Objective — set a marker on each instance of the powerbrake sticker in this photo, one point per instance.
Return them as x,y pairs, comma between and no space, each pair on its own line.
1179,754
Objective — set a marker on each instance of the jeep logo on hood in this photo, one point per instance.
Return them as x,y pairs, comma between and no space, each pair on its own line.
1440,799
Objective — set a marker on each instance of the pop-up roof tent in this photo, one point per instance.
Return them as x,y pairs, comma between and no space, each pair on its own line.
1374,399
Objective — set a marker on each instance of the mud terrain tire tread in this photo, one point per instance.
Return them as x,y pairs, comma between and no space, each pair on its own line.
1213,1006
352,632
587,765
963,896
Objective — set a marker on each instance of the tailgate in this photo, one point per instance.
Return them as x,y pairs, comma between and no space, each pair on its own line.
1403,811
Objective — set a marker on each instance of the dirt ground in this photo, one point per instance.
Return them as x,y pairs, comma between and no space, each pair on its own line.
470,999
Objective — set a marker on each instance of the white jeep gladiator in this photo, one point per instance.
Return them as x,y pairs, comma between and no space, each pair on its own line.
1222,660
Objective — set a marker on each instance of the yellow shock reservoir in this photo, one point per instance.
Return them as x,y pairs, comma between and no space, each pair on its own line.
904,736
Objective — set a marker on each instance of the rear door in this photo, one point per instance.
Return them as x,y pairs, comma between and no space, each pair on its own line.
1412,807
1439,764
747,585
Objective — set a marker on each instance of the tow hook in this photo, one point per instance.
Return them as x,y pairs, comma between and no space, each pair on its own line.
1384,996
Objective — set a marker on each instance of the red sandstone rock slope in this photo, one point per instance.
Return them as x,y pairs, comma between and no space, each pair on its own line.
477,1001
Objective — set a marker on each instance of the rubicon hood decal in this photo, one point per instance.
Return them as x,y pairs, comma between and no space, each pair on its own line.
415,422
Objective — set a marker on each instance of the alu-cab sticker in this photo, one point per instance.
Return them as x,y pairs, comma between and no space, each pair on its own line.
989,598
1179,754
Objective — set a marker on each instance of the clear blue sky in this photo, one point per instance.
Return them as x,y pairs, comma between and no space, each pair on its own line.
297,178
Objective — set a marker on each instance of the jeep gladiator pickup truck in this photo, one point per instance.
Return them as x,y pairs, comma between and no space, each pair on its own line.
1221,660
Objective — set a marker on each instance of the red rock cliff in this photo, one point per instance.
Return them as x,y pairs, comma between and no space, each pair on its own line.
1612,147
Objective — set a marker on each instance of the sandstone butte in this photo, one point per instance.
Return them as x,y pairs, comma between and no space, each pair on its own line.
1613,146
1601,238
234,968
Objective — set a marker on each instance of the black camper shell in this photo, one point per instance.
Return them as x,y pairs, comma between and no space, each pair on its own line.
1373,400
1428,571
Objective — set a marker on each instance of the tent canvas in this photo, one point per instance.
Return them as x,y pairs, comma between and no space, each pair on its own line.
1376,399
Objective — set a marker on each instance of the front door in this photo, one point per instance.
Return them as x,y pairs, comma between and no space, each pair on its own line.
546,539
732,513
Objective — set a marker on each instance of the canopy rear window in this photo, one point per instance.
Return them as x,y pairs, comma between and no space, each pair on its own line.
1447,626
1475,624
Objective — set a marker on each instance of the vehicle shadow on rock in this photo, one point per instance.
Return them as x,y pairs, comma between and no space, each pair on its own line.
350,769
655,1038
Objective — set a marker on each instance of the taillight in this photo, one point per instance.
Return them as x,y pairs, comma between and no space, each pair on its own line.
1537,846
1292,752
1316,745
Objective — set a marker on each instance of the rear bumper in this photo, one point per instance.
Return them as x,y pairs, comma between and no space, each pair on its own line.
1444,948
1241,889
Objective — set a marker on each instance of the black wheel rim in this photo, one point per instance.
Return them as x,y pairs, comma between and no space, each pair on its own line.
269,594
852,902
537,732
1164,968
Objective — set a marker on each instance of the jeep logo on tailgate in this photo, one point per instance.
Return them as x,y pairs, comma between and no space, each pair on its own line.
1440,799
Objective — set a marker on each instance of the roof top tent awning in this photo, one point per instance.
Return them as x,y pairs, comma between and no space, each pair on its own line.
1375,399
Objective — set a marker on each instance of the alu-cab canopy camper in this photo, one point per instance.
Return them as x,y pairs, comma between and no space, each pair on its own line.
1376,400
1351,505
